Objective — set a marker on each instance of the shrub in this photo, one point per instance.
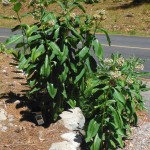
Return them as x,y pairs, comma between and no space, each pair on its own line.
111,100
55,54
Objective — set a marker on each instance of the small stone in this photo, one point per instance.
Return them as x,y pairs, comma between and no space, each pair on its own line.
4,128
17,102
4,71
10,118
11,124
3,114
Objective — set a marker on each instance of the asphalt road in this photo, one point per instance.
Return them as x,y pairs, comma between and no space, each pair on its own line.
126,45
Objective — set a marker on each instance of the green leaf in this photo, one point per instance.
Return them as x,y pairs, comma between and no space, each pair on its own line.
34,37
98,49
64,54
64,74
37,52
56,33
119,96
24,63
61,5
55,48
107,36
72,103
75,33
31,30
119,140
97,142
93,128
14,39
106,103
19,45
113,144
80,75
17,7
117,118
76,4
46,68
83,52
34,90
51,90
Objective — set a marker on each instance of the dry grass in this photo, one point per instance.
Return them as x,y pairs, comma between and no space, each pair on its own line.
122,17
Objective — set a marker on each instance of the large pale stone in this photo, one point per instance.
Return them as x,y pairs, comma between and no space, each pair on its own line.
73,138
63,146
3,114
73,119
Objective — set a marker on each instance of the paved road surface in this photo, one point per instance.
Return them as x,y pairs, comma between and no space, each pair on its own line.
126,45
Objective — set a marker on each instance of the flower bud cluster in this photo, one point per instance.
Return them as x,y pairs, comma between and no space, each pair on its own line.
129,81
115,74
120,61
72,16
108,61
139,67
100,15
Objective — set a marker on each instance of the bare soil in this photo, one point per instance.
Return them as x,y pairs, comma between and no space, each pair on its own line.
22,132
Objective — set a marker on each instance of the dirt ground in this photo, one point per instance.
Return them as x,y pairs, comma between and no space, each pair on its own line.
22,133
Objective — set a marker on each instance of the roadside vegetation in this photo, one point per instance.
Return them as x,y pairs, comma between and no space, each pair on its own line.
123,16
62,73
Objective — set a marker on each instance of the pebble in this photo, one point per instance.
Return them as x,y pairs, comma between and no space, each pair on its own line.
4,128
10,118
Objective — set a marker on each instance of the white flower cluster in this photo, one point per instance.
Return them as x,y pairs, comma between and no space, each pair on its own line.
129,81
100,15
72,16
115,74
51,23
120,61
139,67
108,61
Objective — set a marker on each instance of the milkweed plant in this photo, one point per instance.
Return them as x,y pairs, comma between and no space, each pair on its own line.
65,67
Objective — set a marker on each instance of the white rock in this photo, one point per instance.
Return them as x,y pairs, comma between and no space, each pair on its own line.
17,102
72,138
4,128
73,119
3,114
62,146
10,118
5,2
